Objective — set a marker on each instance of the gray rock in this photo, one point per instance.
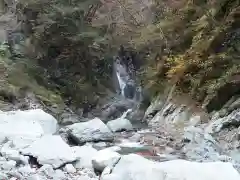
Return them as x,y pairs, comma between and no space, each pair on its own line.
50,149
200,146
135,167
115,108
104,158
84,156
120,124
156,105
135,138
234,105
100,145
217,124
93,130
68,119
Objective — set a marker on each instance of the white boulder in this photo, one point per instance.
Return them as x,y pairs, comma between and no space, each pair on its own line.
104,158
93,130
69,168
26,124
84,156
50,149
120,124
135,167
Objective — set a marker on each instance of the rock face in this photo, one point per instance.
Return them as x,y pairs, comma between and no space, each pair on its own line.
120,124
93,130
135,167
50,149
104,158
217,124
200,146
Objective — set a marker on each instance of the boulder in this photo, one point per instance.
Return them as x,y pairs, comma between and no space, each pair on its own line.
26,124
93,130
104,158
115,108
69,168
120,124
135,167
84,156
52,150
11,128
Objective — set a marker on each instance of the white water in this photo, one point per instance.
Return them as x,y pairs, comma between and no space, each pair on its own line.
122,84
125,113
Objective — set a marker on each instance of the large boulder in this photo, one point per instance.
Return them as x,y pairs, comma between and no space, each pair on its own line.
50,149
93,130
84,156
120,124
27,121
104,158
115,108
135,167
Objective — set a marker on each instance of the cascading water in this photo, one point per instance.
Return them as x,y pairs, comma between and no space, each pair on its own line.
126,83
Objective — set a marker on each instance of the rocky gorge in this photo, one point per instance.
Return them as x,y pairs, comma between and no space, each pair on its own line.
119,90
171,141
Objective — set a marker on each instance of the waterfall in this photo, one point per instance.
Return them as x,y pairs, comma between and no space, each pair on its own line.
122,84
126,83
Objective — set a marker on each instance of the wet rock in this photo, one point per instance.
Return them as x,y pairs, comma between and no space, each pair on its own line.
50,149
84,156
93,130
129,90
120,124
135,167
104,158
116,108
68,119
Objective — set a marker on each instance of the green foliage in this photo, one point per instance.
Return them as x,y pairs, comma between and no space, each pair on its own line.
196,45
63,40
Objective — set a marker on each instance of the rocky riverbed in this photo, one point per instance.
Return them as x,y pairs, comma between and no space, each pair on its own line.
34,146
